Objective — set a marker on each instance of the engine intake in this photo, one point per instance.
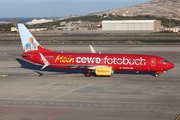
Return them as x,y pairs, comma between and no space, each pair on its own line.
104,71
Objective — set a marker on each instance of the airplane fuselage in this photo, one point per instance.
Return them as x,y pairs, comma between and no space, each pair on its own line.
118,62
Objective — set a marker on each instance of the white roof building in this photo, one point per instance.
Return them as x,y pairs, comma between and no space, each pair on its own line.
35,21
131,25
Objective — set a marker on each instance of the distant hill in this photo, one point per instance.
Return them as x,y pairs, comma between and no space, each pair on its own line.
158,8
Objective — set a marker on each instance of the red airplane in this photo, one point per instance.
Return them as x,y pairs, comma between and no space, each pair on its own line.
99,64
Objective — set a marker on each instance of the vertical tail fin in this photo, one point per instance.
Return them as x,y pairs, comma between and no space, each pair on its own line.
29,43
27,39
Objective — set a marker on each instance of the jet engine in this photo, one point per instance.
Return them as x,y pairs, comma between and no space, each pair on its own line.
104,71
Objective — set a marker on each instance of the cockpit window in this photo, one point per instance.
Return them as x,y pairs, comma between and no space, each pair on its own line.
164,61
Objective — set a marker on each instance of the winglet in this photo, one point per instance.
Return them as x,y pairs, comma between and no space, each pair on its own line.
45,61
92,49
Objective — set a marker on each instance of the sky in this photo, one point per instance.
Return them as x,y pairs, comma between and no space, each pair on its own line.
60,8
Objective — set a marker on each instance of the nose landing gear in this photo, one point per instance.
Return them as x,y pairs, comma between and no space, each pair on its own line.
158,72
156,75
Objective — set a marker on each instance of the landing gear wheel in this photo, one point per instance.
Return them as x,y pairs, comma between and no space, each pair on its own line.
88,73
156,75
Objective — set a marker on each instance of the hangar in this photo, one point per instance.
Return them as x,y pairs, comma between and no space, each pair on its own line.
131,25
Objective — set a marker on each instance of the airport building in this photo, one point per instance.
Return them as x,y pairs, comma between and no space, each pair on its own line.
131,25
35,21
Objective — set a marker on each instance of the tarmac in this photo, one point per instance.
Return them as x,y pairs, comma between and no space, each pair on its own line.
27,93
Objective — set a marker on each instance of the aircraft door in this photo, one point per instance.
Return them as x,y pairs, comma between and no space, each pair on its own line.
153,62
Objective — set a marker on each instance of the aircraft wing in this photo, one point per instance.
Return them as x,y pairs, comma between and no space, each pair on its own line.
92,49
46,63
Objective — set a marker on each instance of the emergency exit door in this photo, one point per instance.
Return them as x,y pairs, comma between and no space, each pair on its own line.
153,62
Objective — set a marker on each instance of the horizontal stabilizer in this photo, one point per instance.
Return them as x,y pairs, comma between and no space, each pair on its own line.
45,61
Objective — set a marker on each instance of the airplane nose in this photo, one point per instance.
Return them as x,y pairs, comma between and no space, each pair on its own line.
171,65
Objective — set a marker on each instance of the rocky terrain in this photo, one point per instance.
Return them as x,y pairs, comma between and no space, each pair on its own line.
159,8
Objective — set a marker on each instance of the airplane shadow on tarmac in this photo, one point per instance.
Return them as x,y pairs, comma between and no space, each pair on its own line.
37,68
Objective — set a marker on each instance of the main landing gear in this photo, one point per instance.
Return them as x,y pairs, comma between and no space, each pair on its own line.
88,73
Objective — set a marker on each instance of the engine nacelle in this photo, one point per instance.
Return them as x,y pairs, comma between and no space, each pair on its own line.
104,71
